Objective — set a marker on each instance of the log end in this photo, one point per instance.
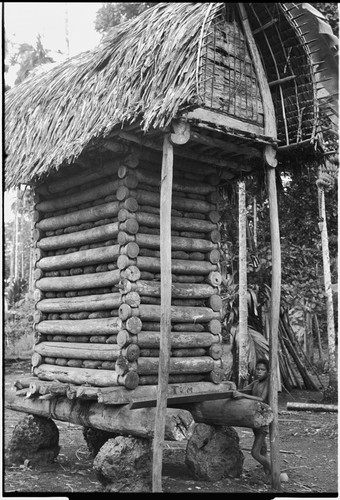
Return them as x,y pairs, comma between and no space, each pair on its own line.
131,380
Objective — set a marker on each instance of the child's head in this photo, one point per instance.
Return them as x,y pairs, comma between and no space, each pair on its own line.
262,368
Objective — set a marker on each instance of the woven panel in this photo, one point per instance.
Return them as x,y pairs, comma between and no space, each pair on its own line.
227,79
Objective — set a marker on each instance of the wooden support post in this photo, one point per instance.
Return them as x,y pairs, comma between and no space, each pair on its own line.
165,342
243,303
269,155
274,325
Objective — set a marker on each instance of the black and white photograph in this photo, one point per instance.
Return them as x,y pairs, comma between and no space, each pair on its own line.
170,249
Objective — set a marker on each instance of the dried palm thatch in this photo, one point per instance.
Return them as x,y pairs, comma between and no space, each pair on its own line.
143,70
149,69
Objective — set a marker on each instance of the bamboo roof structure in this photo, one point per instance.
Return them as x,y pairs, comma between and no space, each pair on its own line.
173,58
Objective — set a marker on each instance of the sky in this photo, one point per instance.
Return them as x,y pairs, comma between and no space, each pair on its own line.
23,21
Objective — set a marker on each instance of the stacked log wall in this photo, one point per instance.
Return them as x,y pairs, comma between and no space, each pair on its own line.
97,275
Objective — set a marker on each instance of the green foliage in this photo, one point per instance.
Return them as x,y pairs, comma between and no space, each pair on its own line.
19,329
113,13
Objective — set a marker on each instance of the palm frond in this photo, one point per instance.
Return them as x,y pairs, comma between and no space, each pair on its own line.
324,52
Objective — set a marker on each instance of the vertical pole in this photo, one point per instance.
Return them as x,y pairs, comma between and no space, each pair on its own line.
16,252
274,326
333,376
255,221
165,339
243,303
269,156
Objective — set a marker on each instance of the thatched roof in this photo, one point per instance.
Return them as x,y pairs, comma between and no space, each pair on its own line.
143,71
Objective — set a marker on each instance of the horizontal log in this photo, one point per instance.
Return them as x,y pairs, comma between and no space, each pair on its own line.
79,376
182,186
149,353
200,364
102,352
178,223
177,242
188,352
214,278
173,378
81,282
131,273
36,359
85,303
131,249
177,266
185,327
86,176
178,290
176,392
83,196
231,412
151,340
312,407
124,338
89,214
132,299
130,226
152,326
133,325
101,326
215,351
81,258
179,424
180,314
215,326
144,197
95,339
96,234
215,302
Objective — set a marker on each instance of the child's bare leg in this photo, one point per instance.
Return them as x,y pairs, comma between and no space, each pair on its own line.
256,451
263,452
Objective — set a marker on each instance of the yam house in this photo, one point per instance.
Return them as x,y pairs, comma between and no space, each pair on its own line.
126,147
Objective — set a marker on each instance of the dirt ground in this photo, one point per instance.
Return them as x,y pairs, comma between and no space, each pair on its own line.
308,455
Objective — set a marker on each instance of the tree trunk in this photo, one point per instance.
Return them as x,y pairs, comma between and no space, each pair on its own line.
333,375
16,232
